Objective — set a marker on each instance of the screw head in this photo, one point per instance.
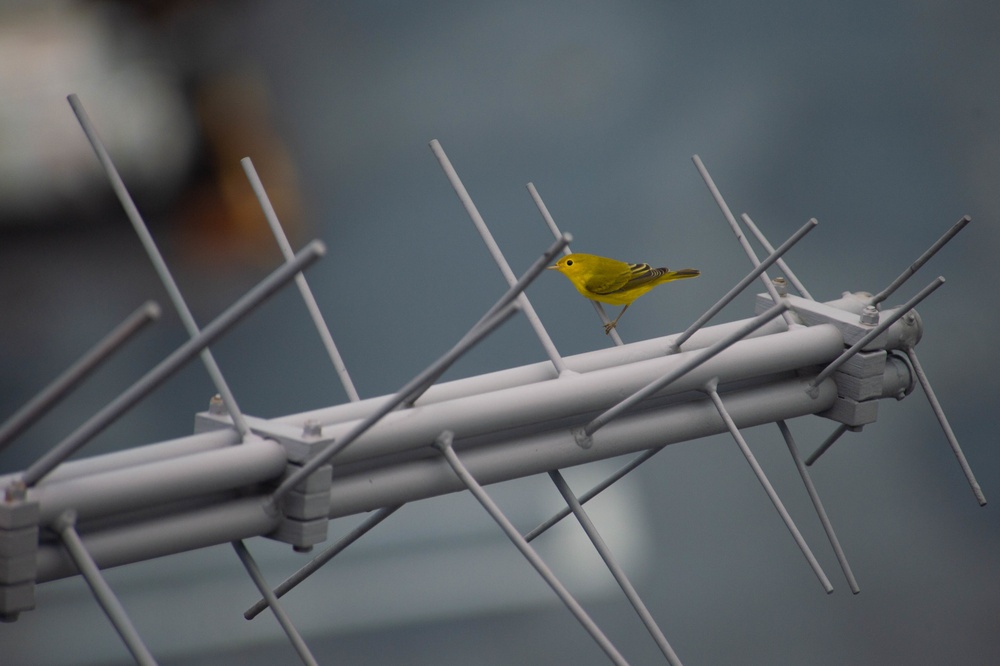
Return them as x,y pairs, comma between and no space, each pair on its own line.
780,285
17,491
216,405
312,428
869,315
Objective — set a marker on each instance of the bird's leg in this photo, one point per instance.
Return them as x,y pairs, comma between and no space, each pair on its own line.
608,327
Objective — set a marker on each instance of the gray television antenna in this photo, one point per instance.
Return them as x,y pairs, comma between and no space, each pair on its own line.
286,478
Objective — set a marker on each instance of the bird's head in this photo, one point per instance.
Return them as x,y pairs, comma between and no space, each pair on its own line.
571,264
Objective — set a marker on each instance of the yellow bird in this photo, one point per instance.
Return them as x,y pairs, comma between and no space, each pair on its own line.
615,282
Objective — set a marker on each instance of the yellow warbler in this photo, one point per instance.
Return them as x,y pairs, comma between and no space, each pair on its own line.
615,282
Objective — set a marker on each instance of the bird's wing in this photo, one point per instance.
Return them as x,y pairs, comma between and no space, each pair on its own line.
637,274
609,279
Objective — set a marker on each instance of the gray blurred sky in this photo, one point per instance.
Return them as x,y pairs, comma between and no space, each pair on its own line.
881,122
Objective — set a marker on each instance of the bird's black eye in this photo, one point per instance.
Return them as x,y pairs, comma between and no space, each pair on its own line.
569,262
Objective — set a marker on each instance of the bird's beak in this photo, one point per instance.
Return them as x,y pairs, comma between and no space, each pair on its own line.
551,268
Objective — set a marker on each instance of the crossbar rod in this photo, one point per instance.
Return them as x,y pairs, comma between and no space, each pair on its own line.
509,297
701,357
945,426
66,527
824,520
443,444
743,284
317,562
174,362
478,332
160,266
51,394
768,488
497,254
738,232
782,264
596,490
554,228
827,443
921,260
279,613
615,568
300,280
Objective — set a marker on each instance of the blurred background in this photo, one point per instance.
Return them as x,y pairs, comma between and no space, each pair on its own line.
881,122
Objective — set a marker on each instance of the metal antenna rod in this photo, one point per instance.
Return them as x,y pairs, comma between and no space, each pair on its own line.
738,232
132,212
314,564
945,426
300,280
710,389
171,364
443,444
418,383
279,613
509,297
51,394
503,309
686,367
65,525
915,266
762,239
742,284
793,449
872,334
551,223
494,249
616,570
834,436
594,492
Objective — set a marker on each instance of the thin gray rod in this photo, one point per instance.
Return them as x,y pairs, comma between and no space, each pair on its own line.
314,565
508,297
768,488
300,280
132,212
874,333
536,268
497,254
762,239
66,527
738,232
772,291
51,394
743,284
279,613
945,426
915,266
834,436
443,444
232,315
418,383
593,492
793,449
686,367
554,228
615,568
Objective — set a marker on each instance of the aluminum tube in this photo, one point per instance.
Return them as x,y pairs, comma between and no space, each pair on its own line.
139,455
239,519
143,486
535,454
533,373
573,395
